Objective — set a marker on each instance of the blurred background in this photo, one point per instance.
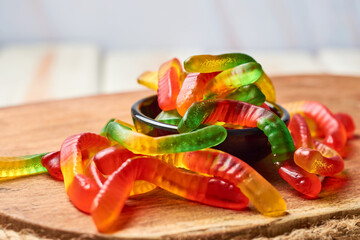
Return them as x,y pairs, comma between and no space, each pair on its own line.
61,49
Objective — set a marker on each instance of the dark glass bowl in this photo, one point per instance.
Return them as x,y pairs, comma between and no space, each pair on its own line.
249,144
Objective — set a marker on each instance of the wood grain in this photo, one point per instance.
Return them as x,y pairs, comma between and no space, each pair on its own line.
40,203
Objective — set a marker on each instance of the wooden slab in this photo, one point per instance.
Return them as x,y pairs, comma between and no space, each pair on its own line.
40,203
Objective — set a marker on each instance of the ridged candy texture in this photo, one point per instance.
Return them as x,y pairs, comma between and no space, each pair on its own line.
267,87
170,81
231,79
266,199
215,63
110,159
18,166
109,202
326,162
75,156
244,114
260,192
222,62
334,130
192,90
248,93
143,144
348,123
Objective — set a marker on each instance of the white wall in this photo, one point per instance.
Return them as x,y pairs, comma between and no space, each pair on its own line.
185,24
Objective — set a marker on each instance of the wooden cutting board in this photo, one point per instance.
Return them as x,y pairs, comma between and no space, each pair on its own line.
40,203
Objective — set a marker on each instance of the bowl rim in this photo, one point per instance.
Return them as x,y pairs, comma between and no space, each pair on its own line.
136,113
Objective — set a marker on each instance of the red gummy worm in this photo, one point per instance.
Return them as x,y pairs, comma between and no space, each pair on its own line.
110,200
264,105
75,157
334,130
170,80
110,159
314,158
96,175
348,123
260,192
212,162
51,162
303,181
300,132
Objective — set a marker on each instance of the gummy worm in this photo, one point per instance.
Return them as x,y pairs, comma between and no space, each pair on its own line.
244,114
110,200
97,170
75,154
335,133
260,192
215,63
313,161
170,80
300,132
313,157
110,159
192,90
267,88
216,163
274,128
348,123
51,162
149,79
140,143
95,174
21,165
231,79
169,117
301,180
248,93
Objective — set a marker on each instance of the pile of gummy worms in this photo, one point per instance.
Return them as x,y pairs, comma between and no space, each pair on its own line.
211,93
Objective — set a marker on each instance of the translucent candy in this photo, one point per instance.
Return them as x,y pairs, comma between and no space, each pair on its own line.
334,131
244,114
109,202
260,192
192,90
18,166
143,144
149,79
110,159
215,63
313,161
170,80
267,88
302,181
75,155
169,117
51,162
211,162
300,132
348,123
313,156
248,93
231,79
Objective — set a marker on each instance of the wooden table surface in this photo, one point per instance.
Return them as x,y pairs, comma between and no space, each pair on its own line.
40,203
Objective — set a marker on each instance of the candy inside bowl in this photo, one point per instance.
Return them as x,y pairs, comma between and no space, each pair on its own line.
249,144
